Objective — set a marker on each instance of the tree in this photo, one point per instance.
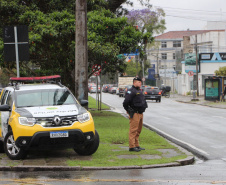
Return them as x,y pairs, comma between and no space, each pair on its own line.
108,36
149,22
132,68
221,71
51,26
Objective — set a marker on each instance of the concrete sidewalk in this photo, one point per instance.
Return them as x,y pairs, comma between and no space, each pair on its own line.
201,101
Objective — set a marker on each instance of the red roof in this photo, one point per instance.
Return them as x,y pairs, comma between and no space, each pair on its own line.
181,34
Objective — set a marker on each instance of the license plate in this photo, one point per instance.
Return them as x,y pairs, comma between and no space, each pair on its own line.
152,96
59,134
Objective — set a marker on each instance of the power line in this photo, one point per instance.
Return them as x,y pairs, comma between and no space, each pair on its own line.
193,18
207,11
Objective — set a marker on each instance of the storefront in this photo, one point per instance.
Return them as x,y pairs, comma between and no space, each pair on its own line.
208,64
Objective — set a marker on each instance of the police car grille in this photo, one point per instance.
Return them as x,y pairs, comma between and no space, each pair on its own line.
65,121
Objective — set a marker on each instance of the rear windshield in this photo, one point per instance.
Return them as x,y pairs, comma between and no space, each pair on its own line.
150,89
48,97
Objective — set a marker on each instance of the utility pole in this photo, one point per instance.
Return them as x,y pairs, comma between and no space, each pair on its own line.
197,73
81,51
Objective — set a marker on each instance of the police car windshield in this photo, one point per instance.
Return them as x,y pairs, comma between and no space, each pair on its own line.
50,97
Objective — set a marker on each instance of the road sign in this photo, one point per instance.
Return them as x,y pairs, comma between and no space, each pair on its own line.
96,69
190,73
143,79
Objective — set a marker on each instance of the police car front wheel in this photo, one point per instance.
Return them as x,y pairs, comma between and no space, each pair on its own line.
90,148
11,149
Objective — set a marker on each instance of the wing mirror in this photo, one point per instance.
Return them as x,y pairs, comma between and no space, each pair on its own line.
5,108
84,103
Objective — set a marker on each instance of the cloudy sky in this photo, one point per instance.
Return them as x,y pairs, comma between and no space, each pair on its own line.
191,14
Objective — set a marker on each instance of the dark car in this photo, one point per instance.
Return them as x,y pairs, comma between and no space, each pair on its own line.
105,87
126,89
152,93
143,87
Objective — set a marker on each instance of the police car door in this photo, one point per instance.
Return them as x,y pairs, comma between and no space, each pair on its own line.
5,114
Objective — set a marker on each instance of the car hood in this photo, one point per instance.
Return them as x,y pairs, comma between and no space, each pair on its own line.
51,111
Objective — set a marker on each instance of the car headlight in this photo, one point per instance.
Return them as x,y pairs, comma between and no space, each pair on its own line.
27,121
83,117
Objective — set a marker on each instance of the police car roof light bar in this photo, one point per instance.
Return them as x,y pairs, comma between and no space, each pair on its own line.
55,78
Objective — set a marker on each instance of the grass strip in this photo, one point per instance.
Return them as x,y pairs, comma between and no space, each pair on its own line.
113,130
93,104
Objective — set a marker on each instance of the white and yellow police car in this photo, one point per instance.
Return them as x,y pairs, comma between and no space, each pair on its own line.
42,116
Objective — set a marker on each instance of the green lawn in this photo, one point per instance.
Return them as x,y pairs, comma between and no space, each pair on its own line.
93,104
113,130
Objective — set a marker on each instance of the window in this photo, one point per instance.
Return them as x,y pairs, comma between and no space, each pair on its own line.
164,56
176,44
9,100
174,56
164,44
44,98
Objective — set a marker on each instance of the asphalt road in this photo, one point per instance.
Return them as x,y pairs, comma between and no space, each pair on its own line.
201,128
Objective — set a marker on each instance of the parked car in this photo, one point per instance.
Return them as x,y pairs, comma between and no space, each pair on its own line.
44,116
152,93
93,89
112,89
106,87
90,85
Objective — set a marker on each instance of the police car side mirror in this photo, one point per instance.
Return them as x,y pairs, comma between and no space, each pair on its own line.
5,108
84,103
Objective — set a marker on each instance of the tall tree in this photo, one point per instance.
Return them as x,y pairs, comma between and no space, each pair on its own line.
148,21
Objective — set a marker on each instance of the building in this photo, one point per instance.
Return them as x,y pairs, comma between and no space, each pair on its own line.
170,48
209,44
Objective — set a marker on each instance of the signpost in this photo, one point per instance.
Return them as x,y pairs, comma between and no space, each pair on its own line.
16,47
190,73
96,69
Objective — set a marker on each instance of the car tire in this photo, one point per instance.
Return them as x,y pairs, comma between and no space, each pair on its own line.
159,100
1,147
12,151
90,148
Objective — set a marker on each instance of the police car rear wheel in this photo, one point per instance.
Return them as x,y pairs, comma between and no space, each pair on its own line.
11,149
89,148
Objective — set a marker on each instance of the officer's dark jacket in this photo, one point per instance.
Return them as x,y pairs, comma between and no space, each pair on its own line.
135,99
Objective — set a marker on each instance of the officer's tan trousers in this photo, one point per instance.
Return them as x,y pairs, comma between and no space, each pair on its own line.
135,129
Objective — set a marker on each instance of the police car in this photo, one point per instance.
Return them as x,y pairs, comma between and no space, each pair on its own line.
42,116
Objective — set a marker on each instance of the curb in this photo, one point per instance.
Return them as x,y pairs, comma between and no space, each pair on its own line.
78,168
181,101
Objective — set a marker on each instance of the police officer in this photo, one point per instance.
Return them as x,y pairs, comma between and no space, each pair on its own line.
135,104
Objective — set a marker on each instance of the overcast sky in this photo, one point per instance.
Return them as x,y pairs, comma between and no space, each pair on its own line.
191,14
